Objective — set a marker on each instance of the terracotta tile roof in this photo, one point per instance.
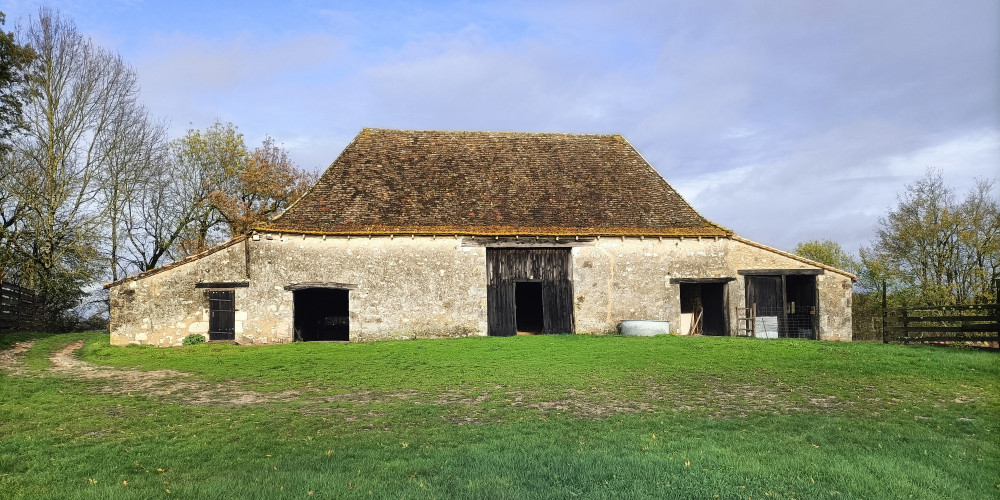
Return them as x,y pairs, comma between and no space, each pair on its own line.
491,183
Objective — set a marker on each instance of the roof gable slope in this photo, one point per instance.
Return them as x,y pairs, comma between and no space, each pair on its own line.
491,183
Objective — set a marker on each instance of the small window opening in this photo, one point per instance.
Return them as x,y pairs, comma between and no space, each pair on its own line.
529,308
321,314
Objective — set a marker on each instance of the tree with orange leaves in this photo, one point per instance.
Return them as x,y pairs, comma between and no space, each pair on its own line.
267,183
214,189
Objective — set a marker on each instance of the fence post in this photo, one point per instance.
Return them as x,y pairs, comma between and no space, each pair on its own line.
906,329
885,314
996,311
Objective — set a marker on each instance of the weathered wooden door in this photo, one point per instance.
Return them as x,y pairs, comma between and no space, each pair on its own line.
505,267
221,315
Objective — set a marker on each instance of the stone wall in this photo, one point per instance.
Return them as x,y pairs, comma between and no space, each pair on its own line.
164,307
430,287
402,288
617,279
405,287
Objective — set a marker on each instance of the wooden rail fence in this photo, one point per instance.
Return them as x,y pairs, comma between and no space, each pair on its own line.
968,323
19,310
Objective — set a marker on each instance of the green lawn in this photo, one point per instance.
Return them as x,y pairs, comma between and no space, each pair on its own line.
547,416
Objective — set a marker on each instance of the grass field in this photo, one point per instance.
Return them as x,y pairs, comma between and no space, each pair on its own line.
525,417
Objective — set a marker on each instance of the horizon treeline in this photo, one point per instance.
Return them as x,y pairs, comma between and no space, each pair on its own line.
93,189
932,248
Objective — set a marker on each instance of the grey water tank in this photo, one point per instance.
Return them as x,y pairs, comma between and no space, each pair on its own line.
645,328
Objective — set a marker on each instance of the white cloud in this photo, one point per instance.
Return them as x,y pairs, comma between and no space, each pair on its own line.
960,159
836,186
783,120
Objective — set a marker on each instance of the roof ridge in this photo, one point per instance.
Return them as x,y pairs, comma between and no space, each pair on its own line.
489,132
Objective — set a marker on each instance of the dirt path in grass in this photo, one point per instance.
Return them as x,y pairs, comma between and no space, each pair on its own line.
12,360
172,385
188,389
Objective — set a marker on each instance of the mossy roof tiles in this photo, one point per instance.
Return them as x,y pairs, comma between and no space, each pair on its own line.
491,183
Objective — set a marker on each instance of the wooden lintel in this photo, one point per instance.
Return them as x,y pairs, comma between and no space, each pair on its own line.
675,281
538,242
779,272
222,284
337,286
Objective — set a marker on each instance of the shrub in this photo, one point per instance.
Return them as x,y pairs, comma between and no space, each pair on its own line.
194,339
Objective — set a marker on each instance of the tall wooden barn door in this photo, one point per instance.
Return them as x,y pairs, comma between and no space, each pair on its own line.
506,267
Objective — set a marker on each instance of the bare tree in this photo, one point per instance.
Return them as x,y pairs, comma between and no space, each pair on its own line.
163,210
136,155
210,189
81,110
210,162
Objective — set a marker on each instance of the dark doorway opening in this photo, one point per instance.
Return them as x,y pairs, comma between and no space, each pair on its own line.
529,307
800,317
221,315
703,310
321,314
784,306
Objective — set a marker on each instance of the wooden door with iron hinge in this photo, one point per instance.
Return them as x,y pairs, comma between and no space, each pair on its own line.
221,315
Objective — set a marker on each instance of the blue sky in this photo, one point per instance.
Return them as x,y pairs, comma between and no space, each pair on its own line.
782,120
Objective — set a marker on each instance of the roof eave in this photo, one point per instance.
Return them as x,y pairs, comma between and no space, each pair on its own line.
705,232
177,263
854,278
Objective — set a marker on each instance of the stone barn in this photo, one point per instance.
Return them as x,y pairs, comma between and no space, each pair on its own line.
417,234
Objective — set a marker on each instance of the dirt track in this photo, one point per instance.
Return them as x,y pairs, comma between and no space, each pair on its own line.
187,389
167,384
12,360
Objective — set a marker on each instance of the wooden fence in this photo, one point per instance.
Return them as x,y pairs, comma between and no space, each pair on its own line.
19,310
968,323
